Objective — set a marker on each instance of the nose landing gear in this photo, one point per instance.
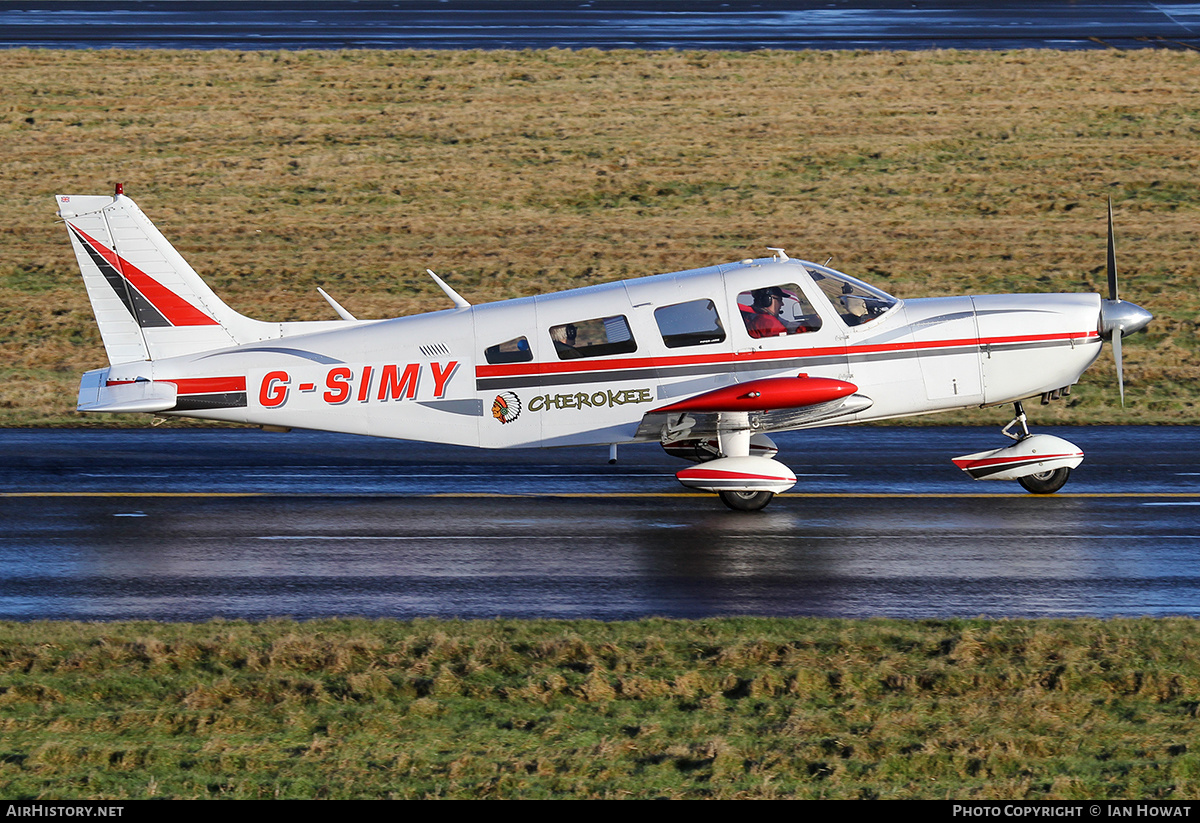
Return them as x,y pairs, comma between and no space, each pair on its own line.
1041,463
1047,482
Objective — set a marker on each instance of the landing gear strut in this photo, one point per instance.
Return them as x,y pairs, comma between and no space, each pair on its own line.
744,482
1020,420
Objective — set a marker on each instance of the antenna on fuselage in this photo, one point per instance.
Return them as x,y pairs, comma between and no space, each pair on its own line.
337,307
451,293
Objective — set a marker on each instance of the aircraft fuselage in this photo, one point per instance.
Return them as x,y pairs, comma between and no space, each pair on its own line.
494,375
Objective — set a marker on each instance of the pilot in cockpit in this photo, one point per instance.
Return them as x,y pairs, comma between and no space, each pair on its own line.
764,321
777,310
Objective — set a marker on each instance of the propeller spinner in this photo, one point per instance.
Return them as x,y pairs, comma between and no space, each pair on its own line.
1118,317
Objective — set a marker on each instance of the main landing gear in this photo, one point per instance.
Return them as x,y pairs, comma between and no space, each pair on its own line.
1041,463
744,476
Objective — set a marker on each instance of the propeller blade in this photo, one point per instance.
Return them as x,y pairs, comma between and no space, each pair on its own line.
1118,317
1116,347
1112,257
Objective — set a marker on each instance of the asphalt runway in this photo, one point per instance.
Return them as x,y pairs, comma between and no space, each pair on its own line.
606,24
190,524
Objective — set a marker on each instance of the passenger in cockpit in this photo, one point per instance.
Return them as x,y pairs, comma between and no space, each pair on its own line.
564,341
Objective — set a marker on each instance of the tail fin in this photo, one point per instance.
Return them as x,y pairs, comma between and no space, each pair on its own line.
148,301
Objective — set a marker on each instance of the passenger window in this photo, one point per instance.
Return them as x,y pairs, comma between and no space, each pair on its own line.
510,351
689,324
593,338
776,311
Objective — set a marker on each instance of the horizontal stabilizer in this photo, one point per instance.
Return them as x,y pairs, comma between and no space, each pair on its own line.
140,396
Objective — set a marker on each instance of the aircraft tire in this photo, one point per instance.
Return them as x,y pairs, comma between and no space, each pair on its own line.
746,501
1045,482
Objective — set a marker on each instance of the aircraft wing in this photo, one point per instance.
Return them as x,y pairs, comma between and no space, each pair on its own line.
774,404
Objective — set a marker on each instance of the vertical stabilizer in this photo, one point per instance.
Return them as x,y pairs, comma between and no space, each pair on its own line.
149,303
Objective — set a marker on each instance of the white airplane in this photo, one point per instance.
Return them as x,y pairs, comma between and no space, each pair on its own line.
706,361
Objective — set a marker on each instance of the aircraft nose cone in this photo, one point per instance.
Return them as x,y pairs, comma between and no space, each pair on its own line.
1120,314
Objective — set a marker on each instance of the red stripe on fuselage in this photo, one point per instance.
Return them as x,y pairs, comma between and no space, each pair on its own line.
720,358
178,311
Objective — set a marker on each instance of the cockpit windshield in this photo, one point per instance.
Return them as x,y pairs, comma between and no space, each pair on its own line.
854,300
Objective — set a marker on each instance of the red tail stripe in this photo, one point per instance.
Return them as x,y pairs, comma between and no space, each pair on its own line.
198,385
178,311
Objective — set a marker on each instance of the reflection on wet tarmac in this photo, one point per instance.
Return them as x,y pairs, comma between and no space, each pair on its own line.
538,24
883,525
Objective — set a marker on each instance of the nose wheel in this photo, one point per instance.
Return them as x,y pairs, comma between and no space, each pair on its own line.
746,501
1045,482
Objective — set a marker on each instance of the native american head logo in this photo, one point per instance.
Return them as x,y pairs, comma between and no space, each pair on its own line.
506,407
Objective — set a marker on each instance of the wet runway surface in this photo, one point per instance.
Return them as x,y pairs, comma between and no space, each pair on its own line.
192,524
522,24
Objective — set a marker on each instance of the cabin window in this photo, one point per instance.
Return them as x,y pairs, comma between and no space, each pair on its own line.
593,338
777,311
510,351
694,323
852,299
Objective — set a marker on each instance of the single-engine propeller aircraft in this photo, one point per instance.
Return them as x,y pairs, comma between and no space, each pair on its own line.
707,362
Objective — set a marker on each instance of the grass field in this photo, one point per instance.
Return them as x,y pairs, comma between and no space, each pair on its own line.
734,708
512,173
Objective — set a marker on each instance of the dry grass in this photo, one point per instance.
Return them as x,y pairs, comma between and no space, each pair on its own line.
732,708
518,172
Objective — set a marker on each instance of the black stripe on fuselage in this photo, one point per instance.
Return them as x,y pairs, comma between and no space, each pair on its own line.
219,400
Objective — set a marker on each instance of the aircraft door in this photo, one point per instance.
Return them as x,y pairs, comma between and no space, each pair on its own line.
780,324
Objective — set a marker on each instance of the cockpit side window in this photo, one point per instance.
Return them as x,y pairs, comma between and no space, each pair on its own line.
510,351
777,311
593,338
694,323
852,299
